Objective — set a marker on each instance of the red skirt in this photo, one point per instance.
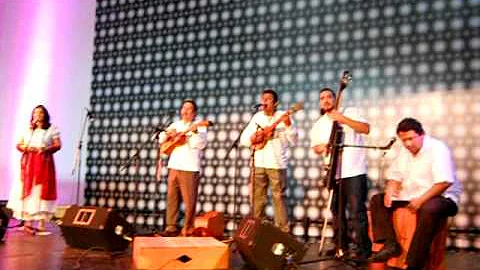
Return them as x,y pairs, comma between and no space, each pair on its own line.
39,169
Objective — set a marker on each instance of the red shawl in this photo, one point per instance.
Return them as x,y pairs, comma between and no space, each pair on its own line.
39,169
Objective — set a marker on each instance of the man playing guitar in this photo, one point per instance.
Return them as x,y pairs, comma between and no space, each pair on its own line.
268,134
187,139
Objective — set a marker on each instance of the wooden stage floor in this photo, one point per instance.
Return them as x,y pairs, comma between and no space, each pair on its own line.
23,251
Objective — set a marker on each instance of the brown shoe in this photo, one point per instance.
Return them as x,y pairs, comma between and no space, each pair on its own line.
29,230
169,233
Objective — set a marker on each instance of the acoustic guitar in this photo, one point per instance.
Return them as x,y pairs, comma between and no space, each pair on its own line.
267,133
171,143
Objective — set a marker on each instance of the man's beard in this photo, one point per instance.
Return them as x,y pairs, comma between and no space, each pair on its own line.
324,111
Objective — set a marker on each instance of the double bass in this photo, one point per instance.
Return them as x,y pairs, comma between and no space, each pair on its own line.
332,159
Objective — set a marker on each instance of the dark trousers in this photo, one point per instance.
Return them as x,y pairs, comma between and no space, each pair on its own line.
429,218
354,197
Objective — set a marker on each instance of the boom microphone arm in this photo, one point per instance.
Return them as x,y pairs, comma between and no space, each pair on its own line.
385,147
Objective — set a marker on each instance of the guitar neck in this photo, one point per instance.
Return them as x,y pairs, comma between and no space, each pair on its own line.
194,126
278,121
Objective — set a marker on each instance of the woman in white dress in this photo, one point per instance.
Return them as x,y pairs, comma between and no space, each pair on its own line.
33,197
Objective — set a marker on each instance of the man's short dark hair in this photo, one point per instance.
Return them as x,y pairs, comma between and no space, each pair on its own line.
189,100
408,124
328,89
272,92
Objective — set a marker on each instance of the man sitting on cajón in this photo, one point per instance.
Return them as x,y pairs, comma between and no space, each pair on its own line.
422,179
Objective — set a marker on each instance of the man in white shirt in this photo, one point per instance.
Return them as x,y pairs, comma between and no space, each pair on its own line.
270,146
183,167
353,173
422,179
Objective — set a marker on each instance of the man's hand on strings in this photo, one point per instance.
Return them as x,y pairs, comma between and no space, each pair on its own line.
257,137
171,133
286,120
336,116
320,149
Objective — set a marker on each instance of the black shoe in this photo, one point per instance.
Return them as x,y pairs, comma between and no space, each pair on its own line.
169,233
388,251
361,258
330,252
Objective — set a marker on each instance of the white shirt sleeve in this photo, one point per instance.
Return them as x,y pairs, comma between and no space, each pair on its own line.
198,140
163,136
249,130
320,132
393,172
443,168
291,133
53,132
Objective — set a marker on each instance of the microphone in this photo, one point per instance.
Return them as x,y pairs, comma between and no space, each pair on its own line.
389,145
159,129
259,127
257,106
156,132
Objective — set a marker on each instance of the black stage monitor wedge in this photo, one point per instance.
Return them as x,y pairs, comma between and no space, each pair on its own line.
95,227
265,246
5,215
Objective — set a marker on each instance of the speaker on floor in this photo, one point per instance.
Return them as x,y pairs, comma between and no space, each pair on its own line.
265,246
5,215
95,227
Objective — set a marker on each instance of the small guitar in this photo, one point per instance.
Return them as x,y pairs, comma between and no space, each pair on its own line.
267,133
180,138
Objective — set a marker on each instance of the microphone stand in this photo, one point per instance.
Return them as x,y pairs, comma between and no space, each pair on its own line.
77,166
385,147
134,159
236,174
331,175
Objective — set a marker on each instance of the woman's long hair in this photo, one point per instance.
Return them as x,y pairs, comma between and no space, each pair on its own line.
46,118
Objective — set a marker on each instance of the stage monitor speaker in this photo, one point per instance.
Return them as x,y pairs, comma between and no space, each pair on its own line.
209,224
265,246
95,227
5,215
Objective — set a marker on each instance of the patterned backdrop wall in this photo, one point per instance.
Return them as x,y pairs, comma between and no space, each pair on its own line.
408,58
